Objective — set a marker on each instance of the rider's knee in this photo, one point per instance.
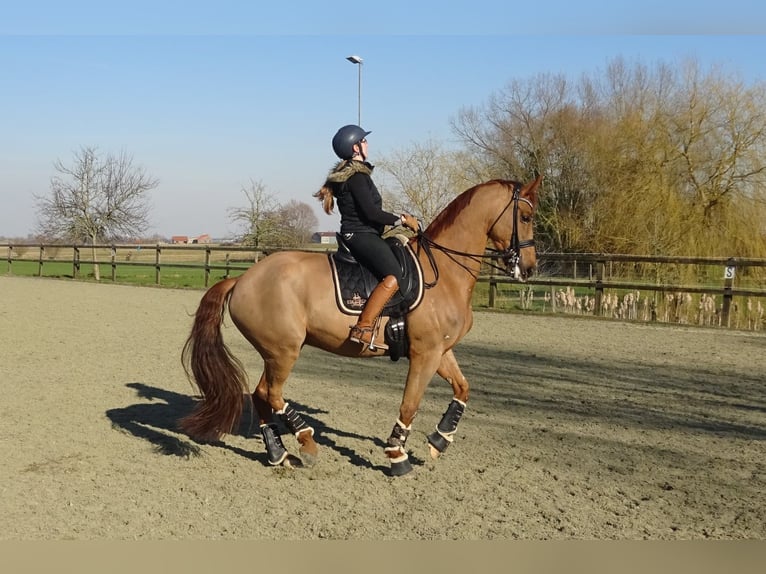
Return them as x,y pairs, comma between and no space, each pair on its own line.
390,281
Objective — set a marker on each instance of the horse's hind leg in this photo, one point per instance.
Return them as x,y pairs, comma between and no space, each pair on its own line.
442,437
268,400
275,449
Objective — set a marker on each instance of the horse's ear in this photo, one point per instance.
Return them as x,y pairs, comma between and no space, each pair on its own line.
530,190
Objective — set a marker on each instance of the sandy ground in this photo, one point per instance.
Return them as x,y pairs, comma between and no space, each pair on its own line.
576,429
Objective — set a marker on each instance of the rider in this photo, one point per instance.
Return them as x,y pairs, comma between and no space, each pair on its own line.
362,221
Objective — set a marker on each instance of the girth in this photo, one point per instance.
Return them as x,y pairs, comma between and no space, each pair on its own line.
354,283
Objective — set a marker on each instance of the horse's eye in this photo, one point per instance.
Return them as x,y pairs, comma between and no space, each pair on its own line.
526,218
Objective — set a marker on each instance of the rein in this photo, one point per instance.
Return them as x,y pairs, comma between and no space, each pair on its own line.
511,255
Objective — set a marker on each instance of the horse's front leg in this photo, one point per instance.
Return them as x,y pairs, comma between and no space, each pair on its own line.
422,368
442,437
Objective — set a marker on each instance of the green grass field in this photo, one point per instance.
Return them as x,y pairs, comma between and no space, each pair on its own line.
172,277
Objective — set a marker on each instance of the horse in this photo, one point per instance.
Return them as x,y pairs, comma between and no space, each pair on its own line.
287,300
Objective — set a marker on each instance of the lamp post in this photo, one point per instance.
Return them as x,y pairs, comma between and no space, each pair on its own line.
358,61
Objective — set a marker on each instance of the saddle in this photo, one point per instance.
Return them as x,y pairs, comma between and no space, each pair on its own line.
354,283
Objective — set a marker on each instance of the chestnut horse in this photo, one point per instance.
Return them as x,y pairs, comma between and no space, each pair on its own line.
287,301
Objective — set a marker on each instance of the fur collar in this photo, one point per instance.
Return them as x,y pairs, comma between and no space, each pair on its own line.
346,168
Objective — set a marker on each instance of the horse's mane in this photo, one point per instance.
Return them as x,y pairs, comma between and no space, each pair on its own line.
446,218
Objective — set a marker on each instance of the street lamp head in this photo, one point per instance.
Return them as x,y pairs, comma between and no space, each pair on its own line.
357,60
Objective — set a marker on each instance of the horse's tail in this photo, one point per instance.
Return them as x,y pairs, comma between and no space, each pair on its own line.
219,375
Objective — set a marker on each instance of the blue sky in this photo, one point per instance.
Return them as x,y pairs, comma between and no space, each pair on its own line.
208,95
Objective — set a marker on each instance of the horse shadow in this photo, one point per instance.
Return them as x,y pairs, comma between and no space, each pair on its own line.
157,423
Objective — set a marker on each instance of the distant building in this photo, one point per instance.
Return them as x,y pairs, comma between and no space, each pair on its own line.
204,238
324,237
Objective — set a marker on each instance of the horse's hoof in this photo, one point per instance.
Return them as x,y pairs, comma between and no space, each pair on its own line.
435,453
437,443
292,461
401,468
308,458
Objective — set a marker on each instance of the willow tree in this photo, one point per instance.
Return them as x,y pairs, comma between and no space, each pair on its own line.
668,159
682,163
95,199
719,138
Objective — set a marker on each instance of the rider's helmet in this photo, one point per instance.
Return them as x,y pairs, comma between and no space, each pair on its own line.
344,140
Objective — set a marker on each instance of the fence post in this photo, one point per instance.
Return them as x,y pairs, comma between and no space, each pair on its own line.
599,295
114,263
492,292
75,262
227,267
10,259
492,288
157,257
728,281
207,266
40,261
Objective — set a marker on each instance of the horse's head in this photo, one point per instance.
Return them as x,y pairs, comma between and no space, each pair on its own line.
512,232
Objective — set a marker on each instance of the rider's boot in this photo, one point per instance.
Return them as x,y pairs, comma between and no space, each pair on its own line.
365,329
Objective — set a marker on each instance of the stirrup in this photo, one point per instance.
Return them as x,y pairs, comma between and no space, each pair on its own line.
357,335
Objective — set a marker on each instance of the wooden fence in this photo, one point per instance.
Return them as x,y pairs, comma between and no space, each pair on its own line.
586,283
226,258
629,275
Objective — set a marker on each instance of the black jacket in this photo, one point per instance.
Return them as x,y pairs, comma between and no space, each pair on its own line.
361,206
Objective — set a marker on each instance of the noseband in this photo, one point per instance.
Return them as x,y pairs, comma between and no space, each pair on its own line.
510,256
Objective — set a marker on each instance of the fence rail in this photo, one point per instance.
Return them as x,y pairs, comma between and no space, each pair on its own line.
600,278
136,256
588,282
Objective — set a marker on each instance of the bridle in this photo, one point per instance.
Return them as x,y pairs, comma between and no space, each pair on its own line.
510,256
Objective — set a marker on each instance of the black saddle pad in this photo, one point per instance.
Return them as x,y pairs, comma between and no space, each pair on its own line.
354,283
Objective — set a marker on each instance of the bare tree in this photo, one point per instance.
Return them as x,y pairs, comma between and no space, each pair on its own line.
536,127
267,222
424,178
295,222
95,199
257,217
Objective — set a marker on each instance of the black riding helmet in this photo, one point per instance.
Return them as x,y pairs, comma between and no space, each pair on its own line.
344,140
